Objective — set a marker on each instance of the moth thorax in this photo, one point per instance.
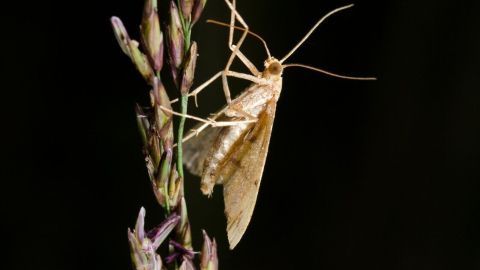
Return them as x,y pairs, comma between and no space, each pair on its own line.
273,67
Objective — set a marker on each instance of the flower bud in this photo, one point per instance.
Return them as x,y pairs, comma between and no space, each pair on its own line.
143,124
177,251
175,188
189,69
176,41
160,97
121,34
183,227
187,265
208,259
186,7
140,61
130,48
198,7
160,233
162,178
152,36
143,245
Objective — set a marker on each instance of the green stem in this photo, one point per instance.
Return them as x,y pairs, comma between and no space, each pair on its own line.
187,40
187,28
181,125
184,98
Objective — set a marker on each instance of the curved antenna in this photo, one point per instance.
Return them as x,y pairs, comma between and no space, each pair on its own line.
241,28
331,73
313,29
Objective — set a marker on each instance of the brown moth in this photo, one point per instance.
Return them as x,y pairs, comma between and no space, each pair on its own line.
233,154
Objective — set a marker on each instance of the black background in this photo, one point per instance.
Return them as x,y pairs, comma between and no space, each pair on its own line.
360,175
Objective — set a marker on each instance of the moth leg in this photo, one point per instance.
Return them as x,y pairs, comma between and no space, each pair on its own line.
197,90
234,16
226,89
247,77
244,76
208,121
194,132
246,62
233,111
235,52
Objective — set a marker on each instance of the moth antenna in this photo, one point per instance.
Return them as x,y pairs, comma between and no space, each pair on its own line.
330,73
313,29
241,28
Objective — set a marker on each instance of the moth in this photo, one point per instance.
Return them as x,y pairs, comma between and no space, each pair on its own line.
234,151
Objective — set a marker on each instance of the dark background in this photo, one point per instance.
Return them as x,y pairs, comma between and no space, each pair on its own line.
360,175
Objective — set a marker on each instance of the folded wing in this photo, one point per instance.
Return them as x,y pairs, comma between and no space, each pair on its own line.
242,174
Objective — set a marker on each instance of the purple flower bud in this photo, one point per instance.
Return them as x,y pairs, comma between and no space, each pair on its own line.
198,7
163,175
143,245
175,188
187,265
152,36
160,97
176,41
143,124
139,225
121,34
186,7
179,252
189,69
163,122
208,259
160,233
143,258
130,48
140,61
183,227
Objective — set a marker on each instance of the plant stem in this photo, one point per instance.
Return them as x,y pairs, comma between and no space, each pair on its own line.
184,98
181,125
187,38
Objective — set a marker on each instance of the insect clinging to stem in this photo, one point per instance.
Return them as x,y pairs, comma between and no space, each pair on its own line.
234,153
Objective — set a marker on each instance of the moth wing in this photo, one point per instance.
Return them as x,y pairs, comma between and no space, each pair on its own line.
196,149
243,173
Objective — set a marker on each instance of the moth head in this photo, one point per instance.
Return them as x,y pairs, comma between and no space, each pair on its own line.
273,68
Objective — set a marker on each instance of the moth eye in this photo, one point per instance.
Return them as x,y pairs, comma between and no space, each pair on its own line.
275,68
